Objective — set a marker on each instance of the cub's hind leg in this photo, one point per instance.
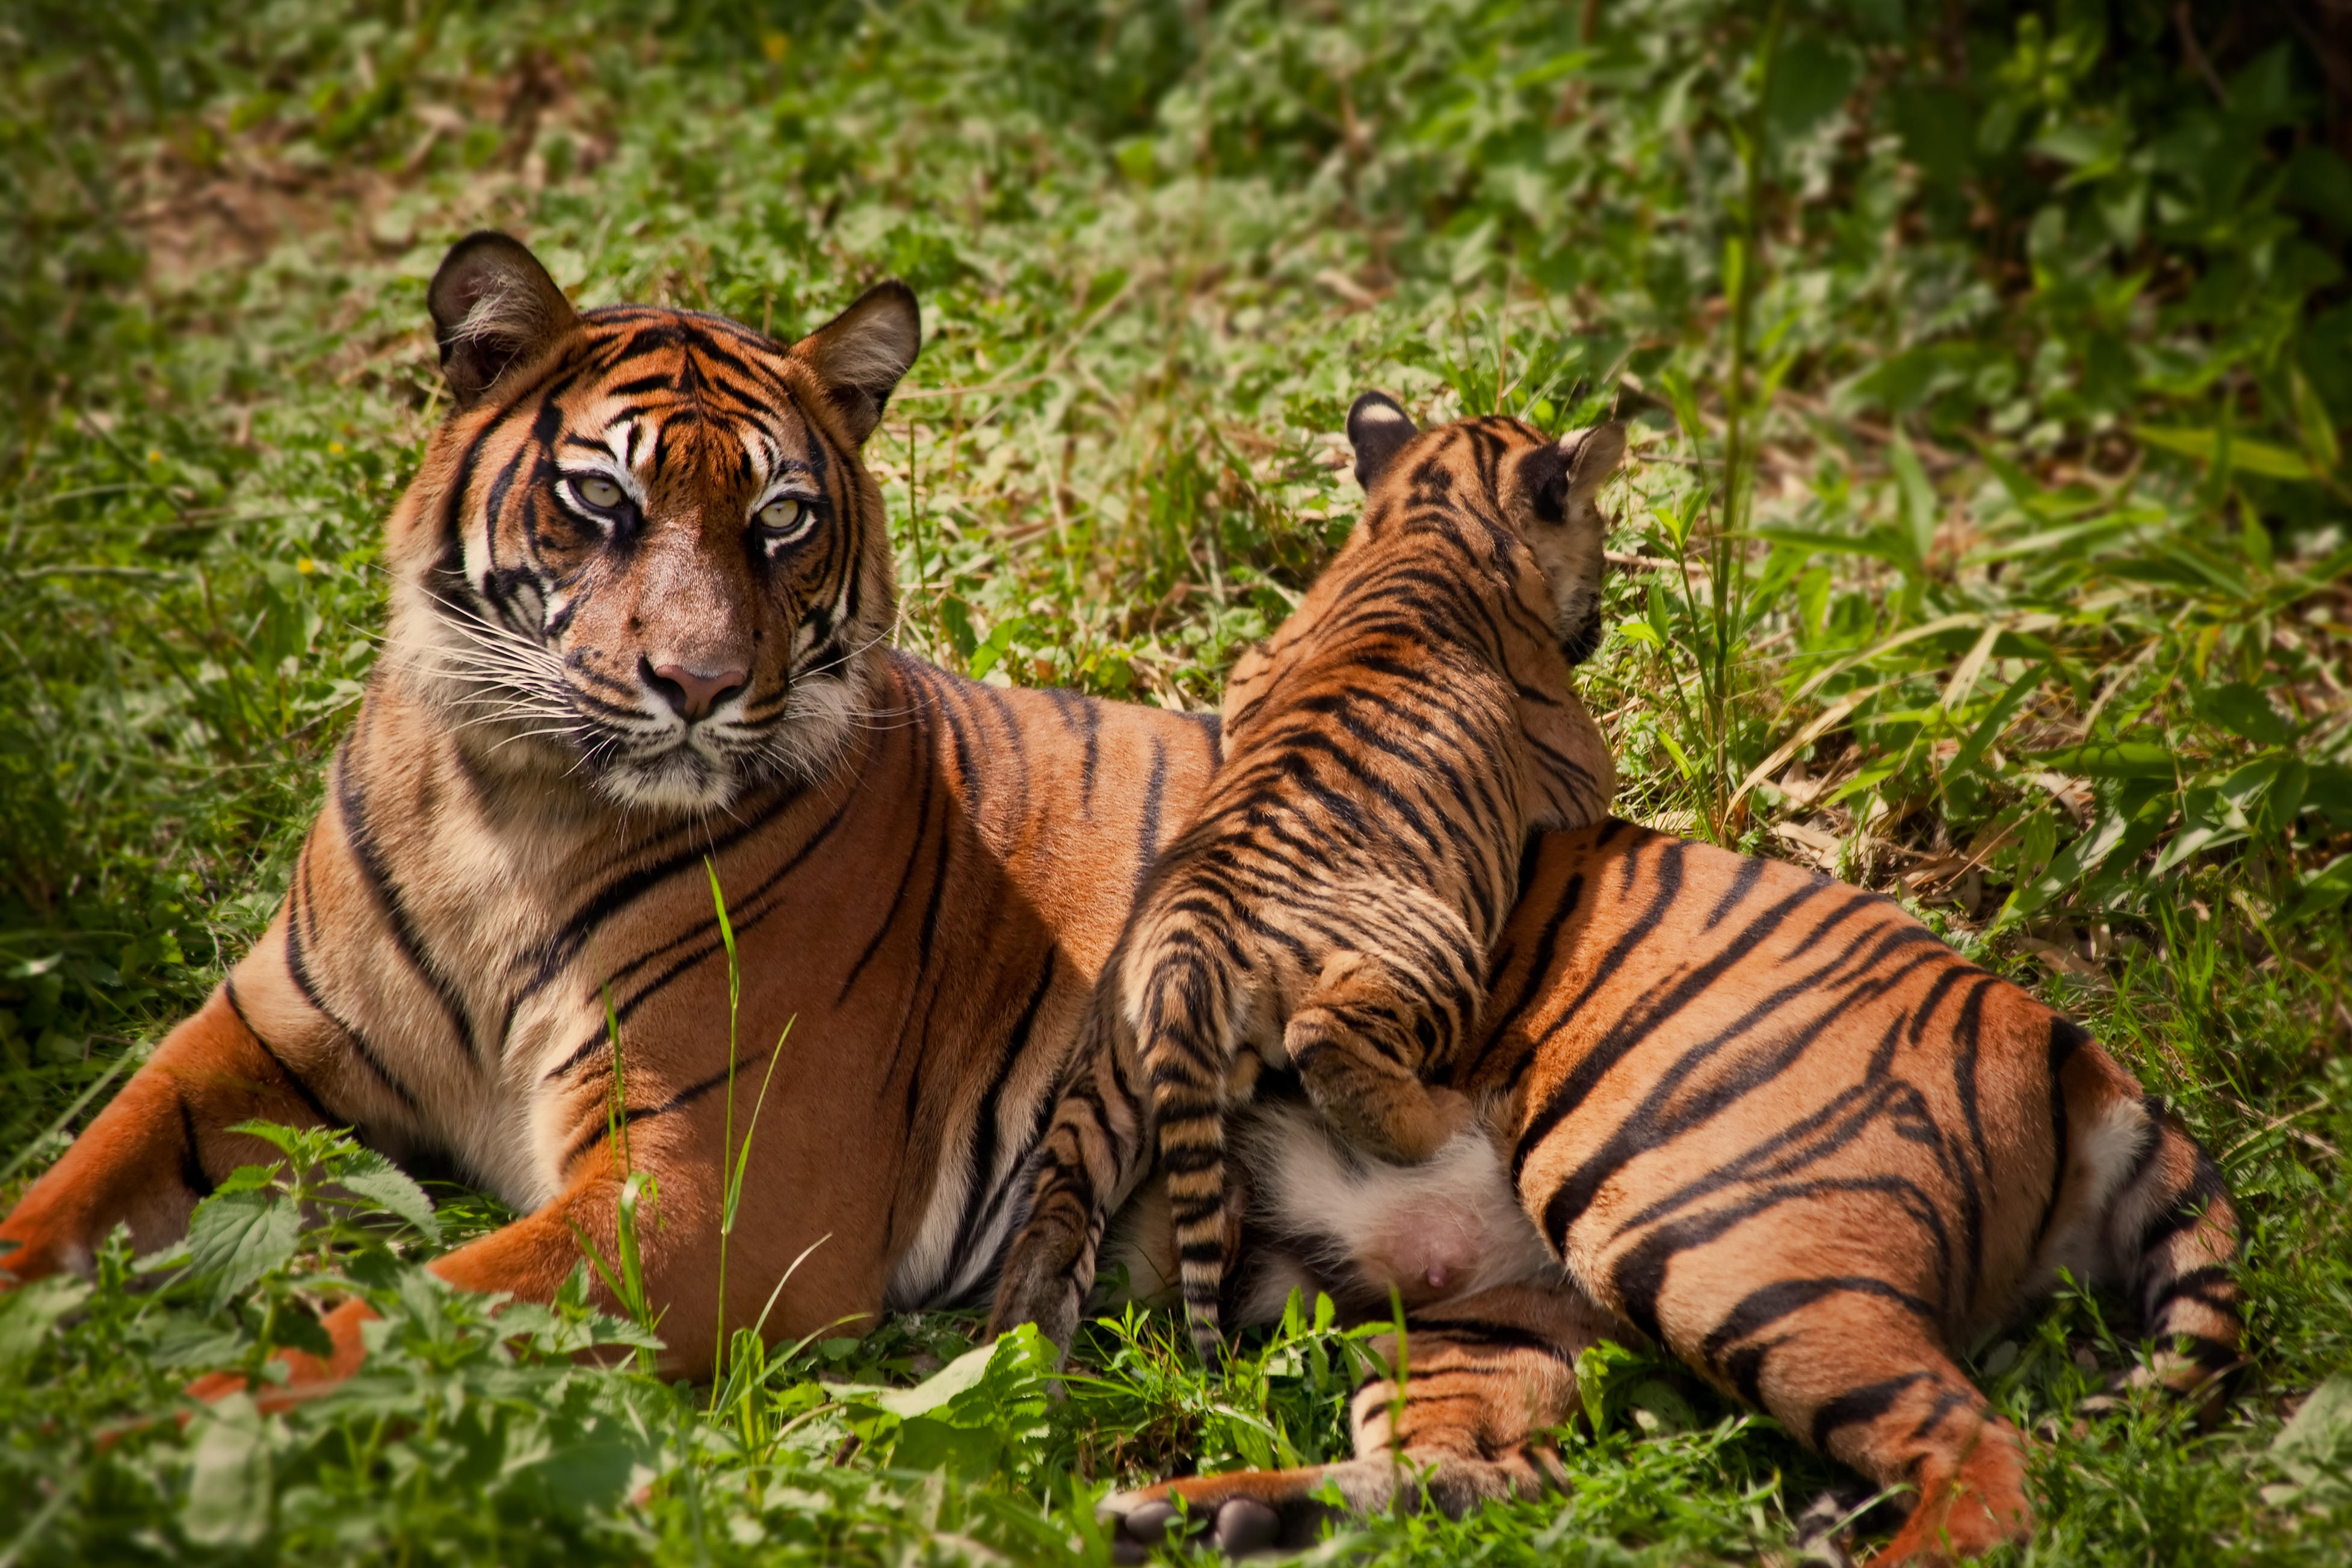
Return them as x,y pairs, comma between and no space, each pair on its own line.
1084,1167
1365,1036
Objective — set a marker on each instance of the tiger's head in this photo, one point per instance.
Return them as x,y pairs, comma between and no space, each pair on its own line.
1542,490
642,553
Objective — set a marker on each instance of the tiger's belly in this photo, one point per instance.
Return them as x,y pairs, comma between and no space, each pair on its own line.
1317,1216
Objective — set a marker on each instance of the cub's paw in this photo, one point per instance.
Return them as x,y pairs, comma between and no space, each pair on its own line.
1050,1300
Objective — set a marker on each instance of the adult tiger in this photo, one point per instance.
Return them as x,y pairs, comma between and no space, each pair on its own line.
1772,1124
641,587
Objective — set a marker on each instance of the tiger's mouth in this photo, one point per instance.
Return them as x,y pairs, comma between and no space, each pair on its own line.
514,695
654,760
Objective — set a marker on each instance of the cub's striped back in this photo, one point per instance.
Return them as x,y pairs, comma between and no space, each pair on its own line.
1387,754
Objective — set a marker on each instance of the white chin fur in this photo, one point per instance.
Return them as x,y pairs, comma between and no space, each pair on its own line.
805,744
679,780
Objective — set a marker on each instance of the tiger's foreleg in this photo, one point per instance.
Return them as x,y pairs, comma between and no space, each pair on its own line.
530,1260
158,1147
1089,1159
1462,1417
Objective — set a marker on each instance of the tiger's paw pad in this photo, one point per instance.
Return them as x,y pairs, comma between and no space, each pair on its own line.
1236,1526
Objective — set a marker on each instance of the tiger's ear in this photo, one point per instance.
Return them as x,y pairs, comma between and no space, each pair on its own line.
494,309
1377,428
1585,458
859,355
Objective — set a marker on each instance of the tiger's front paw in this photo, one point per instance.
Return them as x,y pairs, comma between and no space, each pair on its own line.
307,1376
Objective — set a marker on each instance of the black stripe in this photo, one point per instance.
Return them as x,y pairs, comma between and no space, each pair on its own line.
756,907
2066,1037
298,967
404,934
301,1089
1760,1308
1147,833
1858,1405
192,1166
975,1219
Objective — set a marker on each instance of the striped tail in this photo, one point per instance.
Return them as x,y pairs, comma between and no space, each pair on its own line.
1185,1042
2172,1231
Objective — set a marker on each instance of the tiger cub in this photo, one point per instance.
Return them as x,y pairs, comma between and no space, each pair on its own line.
1387,754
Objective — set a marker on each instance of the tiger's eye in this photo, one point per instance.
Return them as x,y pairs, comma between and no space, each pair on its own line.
780,513
600,493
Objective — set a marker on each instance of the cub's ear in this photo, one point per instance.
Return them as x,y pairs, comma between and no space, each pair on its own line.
494,309
859,355
1585,458
1377,428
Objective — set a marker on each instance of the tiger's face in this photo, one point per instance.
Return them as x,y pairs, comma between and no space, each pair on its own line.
1544,491
643,553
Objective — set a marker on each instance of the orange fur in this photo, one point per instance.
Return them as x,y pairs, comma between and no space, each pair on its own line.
1771,1123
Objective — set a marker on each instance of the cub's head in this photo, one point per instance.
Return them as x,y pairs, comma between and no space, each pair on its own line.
1507,473
642,553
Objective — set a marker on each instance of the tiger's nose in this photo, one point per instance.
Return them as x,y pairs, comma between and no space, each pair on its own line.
690,691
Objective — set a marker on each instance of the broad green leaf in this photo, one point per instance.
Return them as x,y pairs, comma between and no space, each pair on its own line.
2244,711
1920,512
2253,457
939,1387
1989,729
2328,791
1870,778
2320,891
234,1238
2191,839
2205,823
29,1312
2244,790
368,1174
2087,852
229,1475
2311,414
2112,760
964,1372
1811,79
2285,802
967,1453
248,1179
284,1139
2318,1443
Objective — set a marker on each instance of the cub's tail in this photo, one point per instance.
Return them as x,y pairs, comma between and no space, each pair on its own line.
1183,1014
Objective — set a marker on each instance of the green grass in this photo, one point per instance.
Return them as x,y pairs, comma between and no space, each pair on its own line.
1990,367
